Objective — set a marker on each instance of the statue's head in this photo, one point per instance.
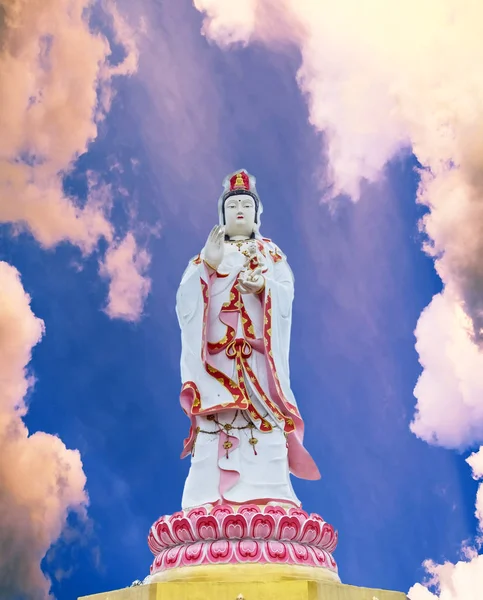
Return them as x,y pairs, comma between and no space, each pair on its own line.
239,207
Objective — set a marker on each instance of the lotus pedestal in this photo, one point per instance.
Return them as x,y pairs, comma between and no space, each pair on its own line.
250,552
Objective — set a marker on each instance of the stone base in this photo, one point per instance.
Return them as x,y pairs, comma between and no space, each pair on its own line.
228,573
248,590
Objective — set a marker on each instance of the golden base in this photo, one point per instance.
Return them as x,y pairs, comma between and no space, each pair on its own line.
248,582
263,573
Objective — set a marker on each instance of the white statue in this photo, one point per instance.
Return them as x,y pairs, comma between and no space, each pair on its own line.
234,306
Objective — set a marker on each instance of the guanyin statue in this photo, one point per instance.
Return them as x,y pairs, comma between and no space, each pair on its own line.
234,306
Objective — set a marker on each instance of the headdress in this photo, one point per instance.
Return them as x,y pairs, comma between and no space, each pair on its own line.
240,182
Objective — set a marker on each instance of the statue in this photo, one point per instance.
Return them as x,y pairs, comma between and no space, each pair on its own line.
240,517
234,307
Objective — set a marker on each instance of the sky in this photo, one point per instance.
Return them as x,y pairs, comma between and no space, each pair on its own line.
118,124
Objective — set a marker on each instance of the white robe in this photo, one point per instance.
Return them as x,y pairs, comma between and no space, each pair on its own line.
244,471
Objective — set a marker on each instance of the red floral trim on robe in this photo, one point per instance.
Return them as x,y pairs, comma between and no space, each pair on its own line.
197,260
240,350
267,337
276,256
189,397
240,399
261,248
235,305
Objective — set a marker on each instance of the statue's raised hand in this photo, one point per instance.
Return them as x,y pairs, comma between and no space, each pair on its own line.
215,247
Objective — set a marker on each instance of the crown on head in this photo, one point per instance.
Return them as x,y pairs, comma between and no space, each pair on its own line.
240,181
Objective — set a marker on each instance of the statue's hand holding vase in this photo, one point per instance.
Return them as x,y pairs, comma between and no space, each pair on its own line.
215,247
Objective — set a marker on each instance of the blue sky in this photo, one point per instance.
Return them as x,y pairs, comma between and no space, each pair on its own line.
192,114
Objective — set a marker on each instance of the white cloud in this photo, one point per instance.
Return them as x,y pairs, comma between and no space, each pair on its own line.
419,592
40,479
55,85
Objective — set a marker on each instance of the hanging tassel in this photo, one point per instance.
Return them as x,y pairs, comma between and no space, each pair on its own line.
253,441
227,445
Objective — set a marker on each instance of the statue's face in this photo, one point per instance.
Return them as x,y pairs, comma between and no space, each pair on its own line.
239,215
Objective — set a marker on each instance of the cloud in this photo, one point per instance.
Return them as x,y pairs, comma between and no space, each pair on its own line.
449,411
380,77
40,479
55,86
476,463
125,265
126,37
463,580
50,69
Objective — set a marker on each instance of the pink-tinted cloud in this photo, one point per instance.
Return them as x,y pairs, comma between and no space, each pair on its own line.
450,388
50,69
55,85
40,479
460,581
125,265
